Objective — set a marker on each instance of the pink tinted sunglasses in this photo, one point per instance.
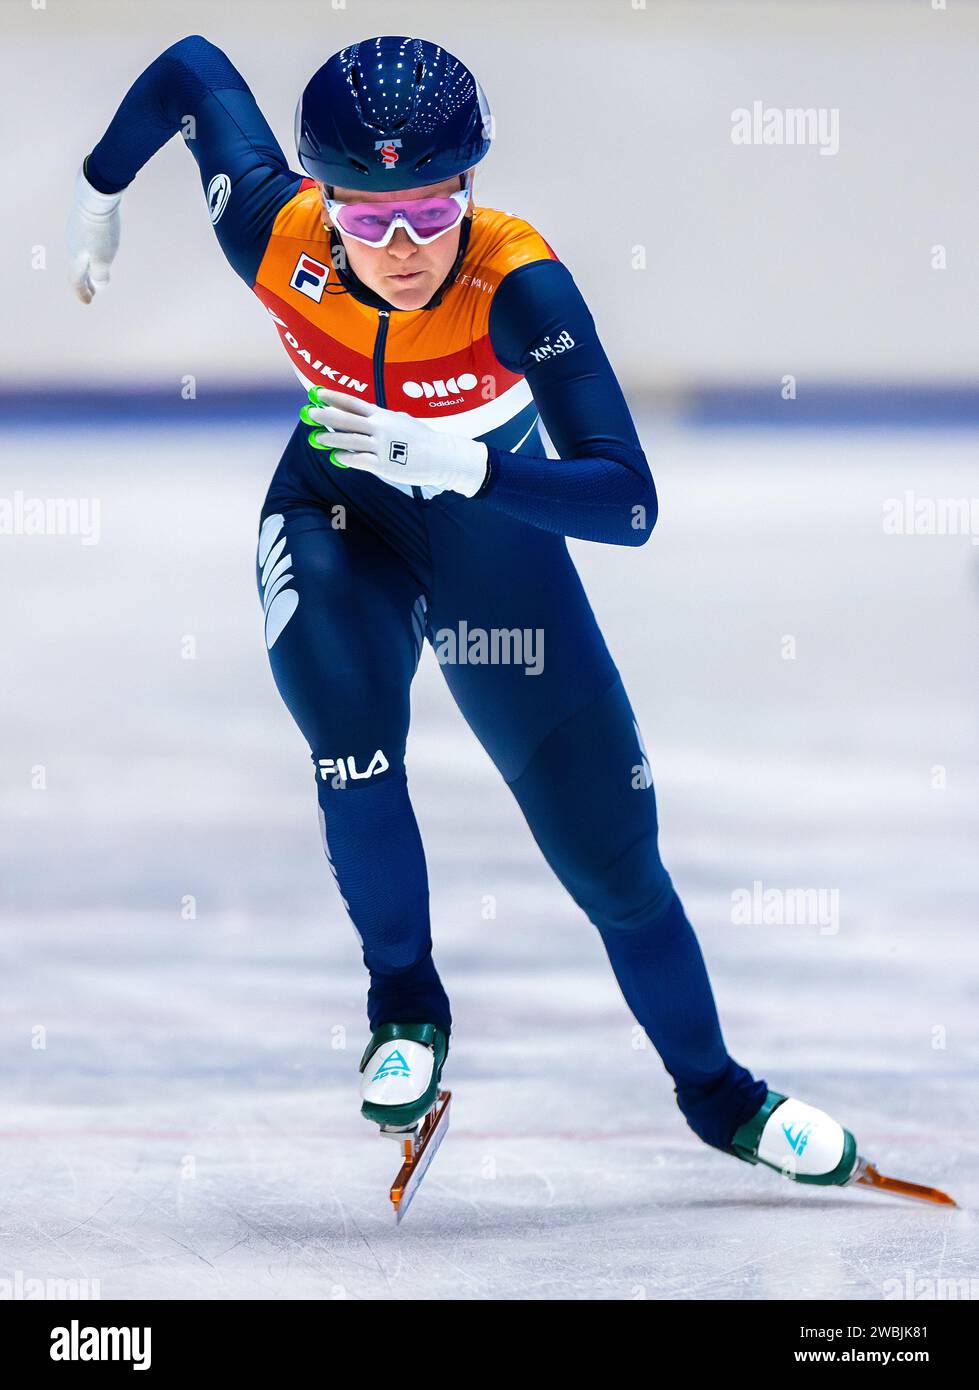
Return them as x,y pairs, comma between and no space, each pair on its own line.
424,219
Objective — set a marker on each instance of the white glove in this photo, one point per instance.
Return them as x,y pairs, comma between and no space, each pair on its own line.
392,445
93,237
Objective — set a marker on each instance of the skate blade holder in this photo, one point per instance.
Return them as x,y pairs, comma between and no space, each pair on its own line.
419,1145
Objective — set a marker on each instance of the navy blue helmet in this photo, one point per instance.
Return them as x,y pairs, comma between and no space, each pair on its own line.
391,113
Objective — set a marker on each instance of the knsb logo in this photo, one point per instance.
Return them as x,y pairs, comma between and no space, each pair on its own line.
545,350
388,150
310,277
346,768
452,386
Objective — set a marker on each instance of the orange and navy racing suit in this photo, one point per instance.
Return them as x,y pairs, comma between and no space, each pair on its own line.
355,573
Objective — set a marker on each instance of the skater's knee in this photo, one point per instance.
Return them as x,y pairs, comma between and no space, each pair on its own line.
634,894
652,909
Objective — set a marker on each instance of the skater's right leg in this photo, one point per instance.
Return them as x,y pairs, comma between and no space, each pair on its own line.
344,620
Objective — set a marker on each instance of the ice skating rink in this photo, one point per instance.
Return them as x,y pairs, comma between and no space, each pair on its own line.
181,995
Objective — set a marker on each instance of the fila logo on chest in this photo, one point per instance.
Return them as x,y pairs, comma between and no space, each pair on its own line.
310,277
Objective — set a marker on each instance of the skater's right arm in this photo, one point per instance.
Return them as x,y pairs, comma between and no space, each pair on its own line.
195,89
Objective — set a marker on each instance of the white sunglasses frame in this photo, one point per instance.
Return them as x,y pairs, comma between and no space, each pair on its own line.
460,197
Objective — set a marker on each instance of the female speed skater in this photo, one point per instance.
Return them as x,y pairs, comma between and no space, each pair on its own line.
462,421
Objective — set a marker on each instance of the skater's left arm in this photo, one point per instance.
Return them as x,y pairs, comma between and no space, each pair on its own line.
599,487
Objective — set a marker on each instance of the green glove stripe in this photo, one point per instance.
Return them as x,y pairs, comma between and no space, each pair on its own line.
326,448
317,429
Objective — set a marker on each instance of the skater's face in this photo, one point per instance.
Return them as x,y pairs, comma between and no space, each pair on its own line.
403,273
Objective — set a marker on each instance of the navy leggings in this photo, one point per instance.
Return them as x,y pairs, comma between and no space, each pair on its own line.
354,576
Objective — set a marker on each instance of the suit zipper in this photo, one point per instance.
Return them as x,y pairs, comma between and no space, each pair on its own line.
383,321
383,318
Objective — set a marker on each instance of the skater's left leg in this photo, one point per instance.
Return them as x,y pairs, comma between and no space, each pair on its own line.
562,733
588,798
567,744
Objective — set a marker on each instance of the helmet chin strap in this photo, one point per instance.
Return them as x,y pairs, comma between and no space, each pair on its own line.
355,286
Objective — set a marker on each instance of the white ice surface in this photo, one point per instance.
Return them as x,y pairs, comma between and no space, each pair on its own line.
190,1126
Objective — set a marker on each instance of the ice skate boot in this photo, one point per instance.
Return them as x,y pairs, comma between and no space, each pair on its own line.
400,1069
807,1145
